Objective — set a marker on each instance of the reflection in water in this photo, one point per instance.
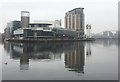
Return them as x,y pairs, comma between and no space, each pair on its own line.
75,59
38,58
74,53
107,42
7,47
88,49
24,59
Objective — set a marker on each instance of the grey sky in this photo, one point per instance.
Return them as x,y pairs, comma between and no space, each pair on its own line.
101,14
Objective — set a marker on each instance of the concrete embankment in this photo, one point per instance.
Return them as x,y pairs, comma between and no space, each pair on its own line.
47,40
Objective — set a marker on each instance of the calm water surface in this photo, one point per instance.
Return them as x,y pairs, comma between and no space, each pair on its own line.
60,61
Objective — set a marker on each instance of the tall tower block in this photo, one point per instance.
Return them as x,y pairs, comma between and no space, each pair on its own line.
25,18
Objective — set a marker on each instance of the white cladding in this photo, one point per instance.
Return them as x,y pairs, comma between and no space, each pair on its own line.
18,31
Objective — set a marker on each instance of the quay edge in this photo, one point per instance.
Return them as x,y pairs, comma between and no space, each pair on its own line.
48,40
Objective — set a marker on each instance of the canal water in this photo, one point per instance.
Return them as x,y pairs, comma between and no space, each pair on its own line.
97,60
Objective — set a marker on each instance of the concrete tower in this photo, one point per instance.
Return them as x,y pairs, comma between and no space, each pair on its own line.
25,19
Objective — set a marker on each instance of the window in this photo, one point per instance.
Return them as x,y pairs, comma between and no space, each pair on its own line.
32,25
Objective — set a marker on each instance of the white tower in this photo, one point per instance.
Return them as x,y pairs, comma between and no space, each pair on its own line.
88,31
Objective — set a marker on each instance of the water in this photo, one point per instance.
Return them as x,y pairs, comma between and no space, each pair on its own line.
60,61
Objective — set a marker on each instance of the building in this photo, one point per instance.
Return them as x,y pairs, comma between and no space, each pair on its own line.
7,33
14,25
54,23
74,20
42,30
10,28
51,29
32,30
88,31
25,19
57,23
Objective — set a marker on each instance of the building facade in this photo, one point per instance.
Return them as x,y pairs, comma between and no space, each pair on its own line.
74,20
88,31
32,30
7,33
39,30
25,19
14,25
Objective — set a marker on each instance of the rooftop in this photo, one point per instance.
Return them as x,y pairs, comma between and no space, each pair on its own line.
40,24
75,9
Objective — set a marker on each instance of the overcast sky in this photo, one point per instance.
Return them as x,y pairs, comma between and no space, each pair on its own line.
101,14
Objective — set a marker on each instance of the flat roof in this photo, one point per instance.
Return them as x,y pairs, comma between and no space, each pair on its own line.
40,24
75,9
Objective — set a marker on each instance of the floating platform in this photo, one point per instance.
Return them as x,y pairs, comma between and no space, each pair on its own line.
47,40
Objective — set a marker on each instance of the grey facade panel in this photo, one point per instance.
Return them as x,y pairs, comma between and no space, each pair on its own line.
28,33
66,32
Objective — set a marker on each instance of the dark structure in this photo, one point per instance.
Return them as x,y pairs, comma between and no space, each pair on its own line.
14,25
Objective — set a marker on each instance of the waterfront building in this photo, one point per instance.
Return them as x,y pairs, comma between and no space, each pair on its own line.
54,23
14,25
57,23
41,30
32,30
11,27
88,31
74,20
25,19
7,31
49,30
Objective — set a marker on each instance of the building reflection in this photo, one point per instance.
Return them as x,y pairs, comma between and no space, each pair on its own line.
107,42
74,53
42,51
88,49
24,59
7,46
74,60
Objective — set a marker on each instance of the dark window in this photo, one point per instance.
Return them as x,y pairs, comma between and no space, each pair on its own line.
32,25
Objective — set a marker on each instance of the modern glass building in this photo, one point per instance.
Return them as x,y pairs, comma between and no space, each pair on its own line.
44,30
35,31
32,30
14,25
